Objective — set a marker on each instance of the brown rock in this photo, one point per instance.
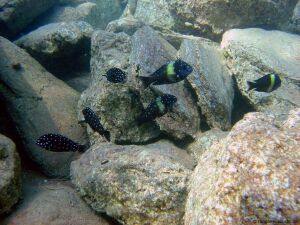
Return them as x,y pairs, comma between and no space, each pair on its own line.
251,176
135,184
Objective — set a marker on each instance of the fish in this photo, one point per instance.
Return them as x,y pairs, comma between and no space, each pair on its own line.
169,73
157,108
116,75
267,83
59,143
94,122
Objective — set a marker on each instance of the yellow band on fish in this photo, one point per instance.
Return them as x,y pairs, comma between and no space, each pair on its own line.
272,77
160,105
171,71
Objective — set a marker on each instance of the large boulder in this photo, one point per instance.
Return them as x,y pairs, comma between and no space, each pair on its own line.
118,105
57,45
293,24
16,15
52,202
135,184
252,53
87,12
251,176
211,18
38,103
150,51
10,179
204,141
107,10
210,80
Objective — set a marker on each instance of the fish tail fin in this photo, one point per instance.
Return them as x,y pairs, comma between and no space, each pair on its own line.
106,134
146,80
251,85
82,148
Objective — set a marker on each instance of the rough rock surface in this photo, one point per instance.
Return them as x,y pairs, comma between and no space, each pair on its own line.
150,52
55,44
16,15
211,18
293,25
86,12
252,53
118,105
107,10
50,202
204,141
128,25
39,103
10,179
135,184
210,80
251,176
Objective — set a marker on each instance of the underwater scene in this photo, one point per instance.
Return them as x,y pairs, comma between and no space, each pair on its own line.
149,112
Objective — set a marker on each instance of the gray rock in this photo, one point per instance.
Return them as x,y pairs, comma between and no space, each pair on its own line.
251,176
38,103
128,25
135,184
293,25
10,179
211,18
118,105
52,202
16,15
204,141
87,12
58,43
150,52
210,80
106,10
252,53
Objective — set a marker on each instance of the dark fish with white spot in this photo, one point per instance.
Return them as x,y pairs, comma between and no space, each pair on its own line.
267,83
169,73
116,75
58,143
157,108
94,121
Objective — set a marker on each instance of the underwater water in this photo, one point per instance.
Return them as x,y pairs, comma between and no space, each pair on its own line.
139,112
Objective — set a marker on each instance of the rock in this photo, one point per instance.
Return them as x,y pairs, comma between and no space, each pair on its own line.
118,105
150,52
79,81
106,10
210,80
87,12
16,15
58,45
10,179
211,18
204,141
135,184
252,53
293,25
38,103
251,176
128,25
53,202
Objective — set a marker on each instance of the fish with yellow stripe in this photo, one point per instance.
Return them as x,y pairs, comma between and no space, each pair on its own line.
169,73
157,108
267,83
